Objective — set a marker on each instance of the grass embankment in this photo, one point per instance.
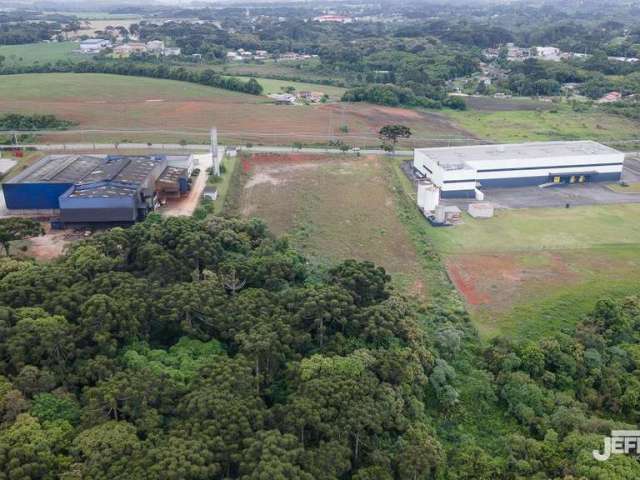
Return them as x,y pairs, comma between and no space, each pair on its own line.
560,123
332,208
438,284
230,165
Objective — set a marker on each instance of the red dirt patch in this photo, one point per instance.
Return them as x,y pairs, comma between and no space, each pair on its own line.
497,281
466,285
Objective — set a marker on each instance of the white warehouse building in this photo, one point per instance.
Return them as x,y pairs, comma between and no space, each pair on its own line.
460,171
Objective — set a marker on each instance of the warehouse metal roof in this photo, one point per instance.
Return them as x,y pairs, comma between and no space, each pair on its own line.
455,157
172,175
103,190
58,169
86,169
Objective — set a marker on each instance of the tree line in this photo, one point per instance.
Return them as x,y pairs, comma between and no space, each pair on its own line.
17,121
393,95
204,77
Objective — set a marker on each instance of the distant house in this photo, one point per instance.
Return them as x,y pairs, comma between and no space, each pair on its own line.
172,52
549,53
94,45
333,19
283,98
122,51
155,46
137,47
125,50
234,57
313,97
625,59
294,56
517,53
611,97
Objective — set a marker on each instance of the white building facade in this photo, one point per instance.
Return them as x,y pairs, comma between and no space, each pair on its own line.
461,171
94,45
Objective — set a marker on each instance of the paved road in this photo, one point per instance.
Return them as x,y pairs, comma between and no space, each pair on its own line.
197,148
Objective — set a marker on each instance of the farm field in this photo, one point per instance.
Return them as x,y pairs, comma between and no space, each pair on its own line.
272,69
332,208
491,104
103,102
271,85
561,124
28,54
528,272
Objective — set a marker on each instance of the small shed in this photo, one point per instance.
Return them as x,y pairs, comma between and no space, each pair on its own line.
448,214
210,192
481,210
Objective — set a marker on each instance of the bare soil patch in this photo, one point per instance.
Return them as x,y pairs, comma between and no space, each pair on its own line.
500,280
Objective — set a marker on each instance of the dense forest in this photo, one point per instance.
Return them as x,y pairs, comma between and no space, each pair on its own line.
179,349
21,27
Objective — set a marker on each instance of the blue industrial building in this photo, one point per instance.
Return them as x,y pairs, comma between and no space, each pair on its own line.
97,188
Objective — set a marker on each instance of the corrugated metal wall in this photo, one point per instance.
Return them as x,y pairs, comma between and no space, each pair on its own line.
40,196
112,209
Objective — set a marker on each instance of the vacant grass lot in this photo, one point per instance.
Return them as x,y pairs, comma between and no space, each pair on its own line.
560,124
529,272
333,208
31,53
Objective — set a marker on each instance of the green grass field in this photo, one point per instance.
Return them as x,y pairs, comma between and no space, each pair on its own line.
529,272
275,86
103,87
31,53
543,229
529,126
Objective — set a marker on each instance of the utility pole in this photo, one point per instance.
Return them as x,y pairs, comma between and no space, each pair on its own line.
214,152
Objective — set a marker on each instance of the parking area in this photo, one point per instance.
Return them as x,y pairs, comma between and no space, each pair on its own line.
561,195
